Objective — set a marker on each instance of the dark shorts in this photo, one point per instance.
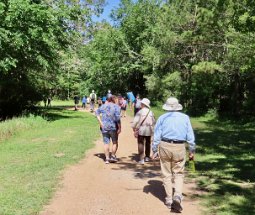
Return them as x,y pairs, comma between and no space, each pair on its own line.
110,135
124,108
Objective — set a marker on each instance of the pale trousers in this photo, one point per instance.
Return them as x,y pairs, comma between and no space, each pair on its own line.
172,161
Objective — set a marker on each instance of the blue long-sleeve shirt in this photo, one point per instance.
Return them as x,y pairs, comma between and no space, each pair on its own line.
174,126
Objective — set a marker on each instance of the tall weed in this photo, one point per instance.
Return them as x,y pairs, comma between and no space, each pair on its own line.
13,126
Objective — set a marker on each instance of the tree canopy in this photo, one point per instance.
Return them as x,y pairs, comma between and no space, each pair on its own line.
199,51
36,36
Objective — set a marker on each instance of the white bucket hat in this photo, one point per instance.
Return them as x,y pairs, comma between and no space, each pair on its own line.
146,102
172,104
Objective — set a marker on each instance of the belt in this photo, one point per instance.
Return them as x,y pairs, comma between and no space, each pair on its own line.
173,141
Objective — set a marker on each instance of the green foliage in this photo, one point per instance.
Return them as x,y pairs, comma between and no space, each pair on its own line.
33,36
201,52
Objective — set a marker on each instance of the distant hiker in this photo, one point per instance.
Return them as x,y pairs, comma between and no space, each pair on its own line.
130,98
124,107
104,99
115,99
93,98
172,130
76,102
45,101
49,101
99,102
143,126
137,104
109,94
84,102
110,117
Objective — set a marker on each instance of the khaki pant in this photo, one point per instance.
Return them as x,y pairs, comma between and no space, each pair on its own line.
172,161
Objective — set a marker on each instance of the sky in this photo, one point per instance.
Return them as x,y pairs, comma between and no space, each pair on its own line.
110,4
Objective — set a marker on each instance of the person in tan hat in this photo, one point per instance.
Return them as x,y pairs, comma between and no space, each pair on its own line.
173,129
143,126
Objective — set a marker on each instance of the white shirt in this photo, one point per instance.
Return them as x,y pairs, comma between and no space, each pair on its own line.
148,125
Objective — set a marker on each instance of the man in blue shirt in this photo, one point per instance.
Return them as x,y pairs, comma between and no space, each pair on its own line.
110,127
84,102
172,130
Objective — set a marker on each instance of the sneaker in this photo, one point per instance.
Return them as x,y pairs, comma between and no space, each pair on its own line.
176,205
113,158
146,159
141,162
107,161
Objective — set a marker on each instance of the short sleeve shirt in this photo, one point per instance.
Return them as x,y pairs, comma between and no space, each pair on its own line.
110,116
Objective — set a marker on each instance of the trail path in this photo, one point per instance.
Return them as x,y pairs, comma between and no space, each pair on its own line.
94,188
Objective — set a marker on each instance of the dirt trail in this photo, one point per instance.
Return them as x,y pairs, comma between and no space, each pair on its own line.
95,188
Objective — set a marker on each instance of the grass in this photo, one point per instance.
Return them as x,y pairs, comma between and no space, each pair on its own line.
34,154
34,151
225,164
16,125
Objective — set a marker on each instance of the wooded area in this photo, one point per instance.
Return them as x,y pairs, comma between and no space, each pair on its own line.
202,52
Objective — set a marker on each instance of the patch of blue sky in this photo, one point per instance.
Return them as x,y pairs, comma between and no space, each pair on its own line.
109,6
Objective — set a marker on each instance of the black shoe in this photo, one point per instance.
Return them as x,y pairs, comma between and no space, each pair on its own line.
113,159
176,205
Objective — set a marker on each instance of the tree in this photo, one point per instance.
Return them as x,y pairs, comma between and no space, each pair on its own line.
33,36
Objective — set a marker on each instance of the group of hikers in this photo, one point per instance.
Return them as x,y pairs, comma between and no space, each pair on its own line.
92,99
169,133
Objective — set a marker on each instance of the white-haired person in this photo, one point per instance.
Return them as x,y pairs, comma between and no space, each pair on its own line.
93,98
173,129
143,126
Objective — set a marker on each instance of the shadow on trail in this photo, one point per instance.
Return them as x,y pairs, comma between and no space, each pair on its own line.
228,162
156,188
149,170
100,155
58,112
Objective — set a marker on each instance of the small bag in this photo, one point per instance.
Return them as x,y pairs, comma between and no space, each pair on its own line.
136,132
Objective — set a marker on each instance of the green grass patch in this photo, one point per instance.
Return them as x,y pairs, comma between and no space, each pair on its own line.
225,162
16,125
59,103
33,157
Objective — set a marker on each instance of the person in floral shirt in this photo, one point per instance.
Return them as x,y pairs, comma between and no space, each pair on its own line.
108,116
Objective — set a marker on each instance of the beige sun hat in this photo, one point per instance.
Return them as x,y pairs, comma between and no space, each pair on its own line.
172,104
146,102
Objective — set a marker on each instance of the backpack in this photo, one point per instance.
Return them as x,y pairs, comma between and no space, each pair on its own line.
138,103
93,97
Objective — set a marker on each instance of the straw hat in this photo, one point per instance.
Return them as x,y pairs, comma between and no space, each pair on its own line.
146,102
172,104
